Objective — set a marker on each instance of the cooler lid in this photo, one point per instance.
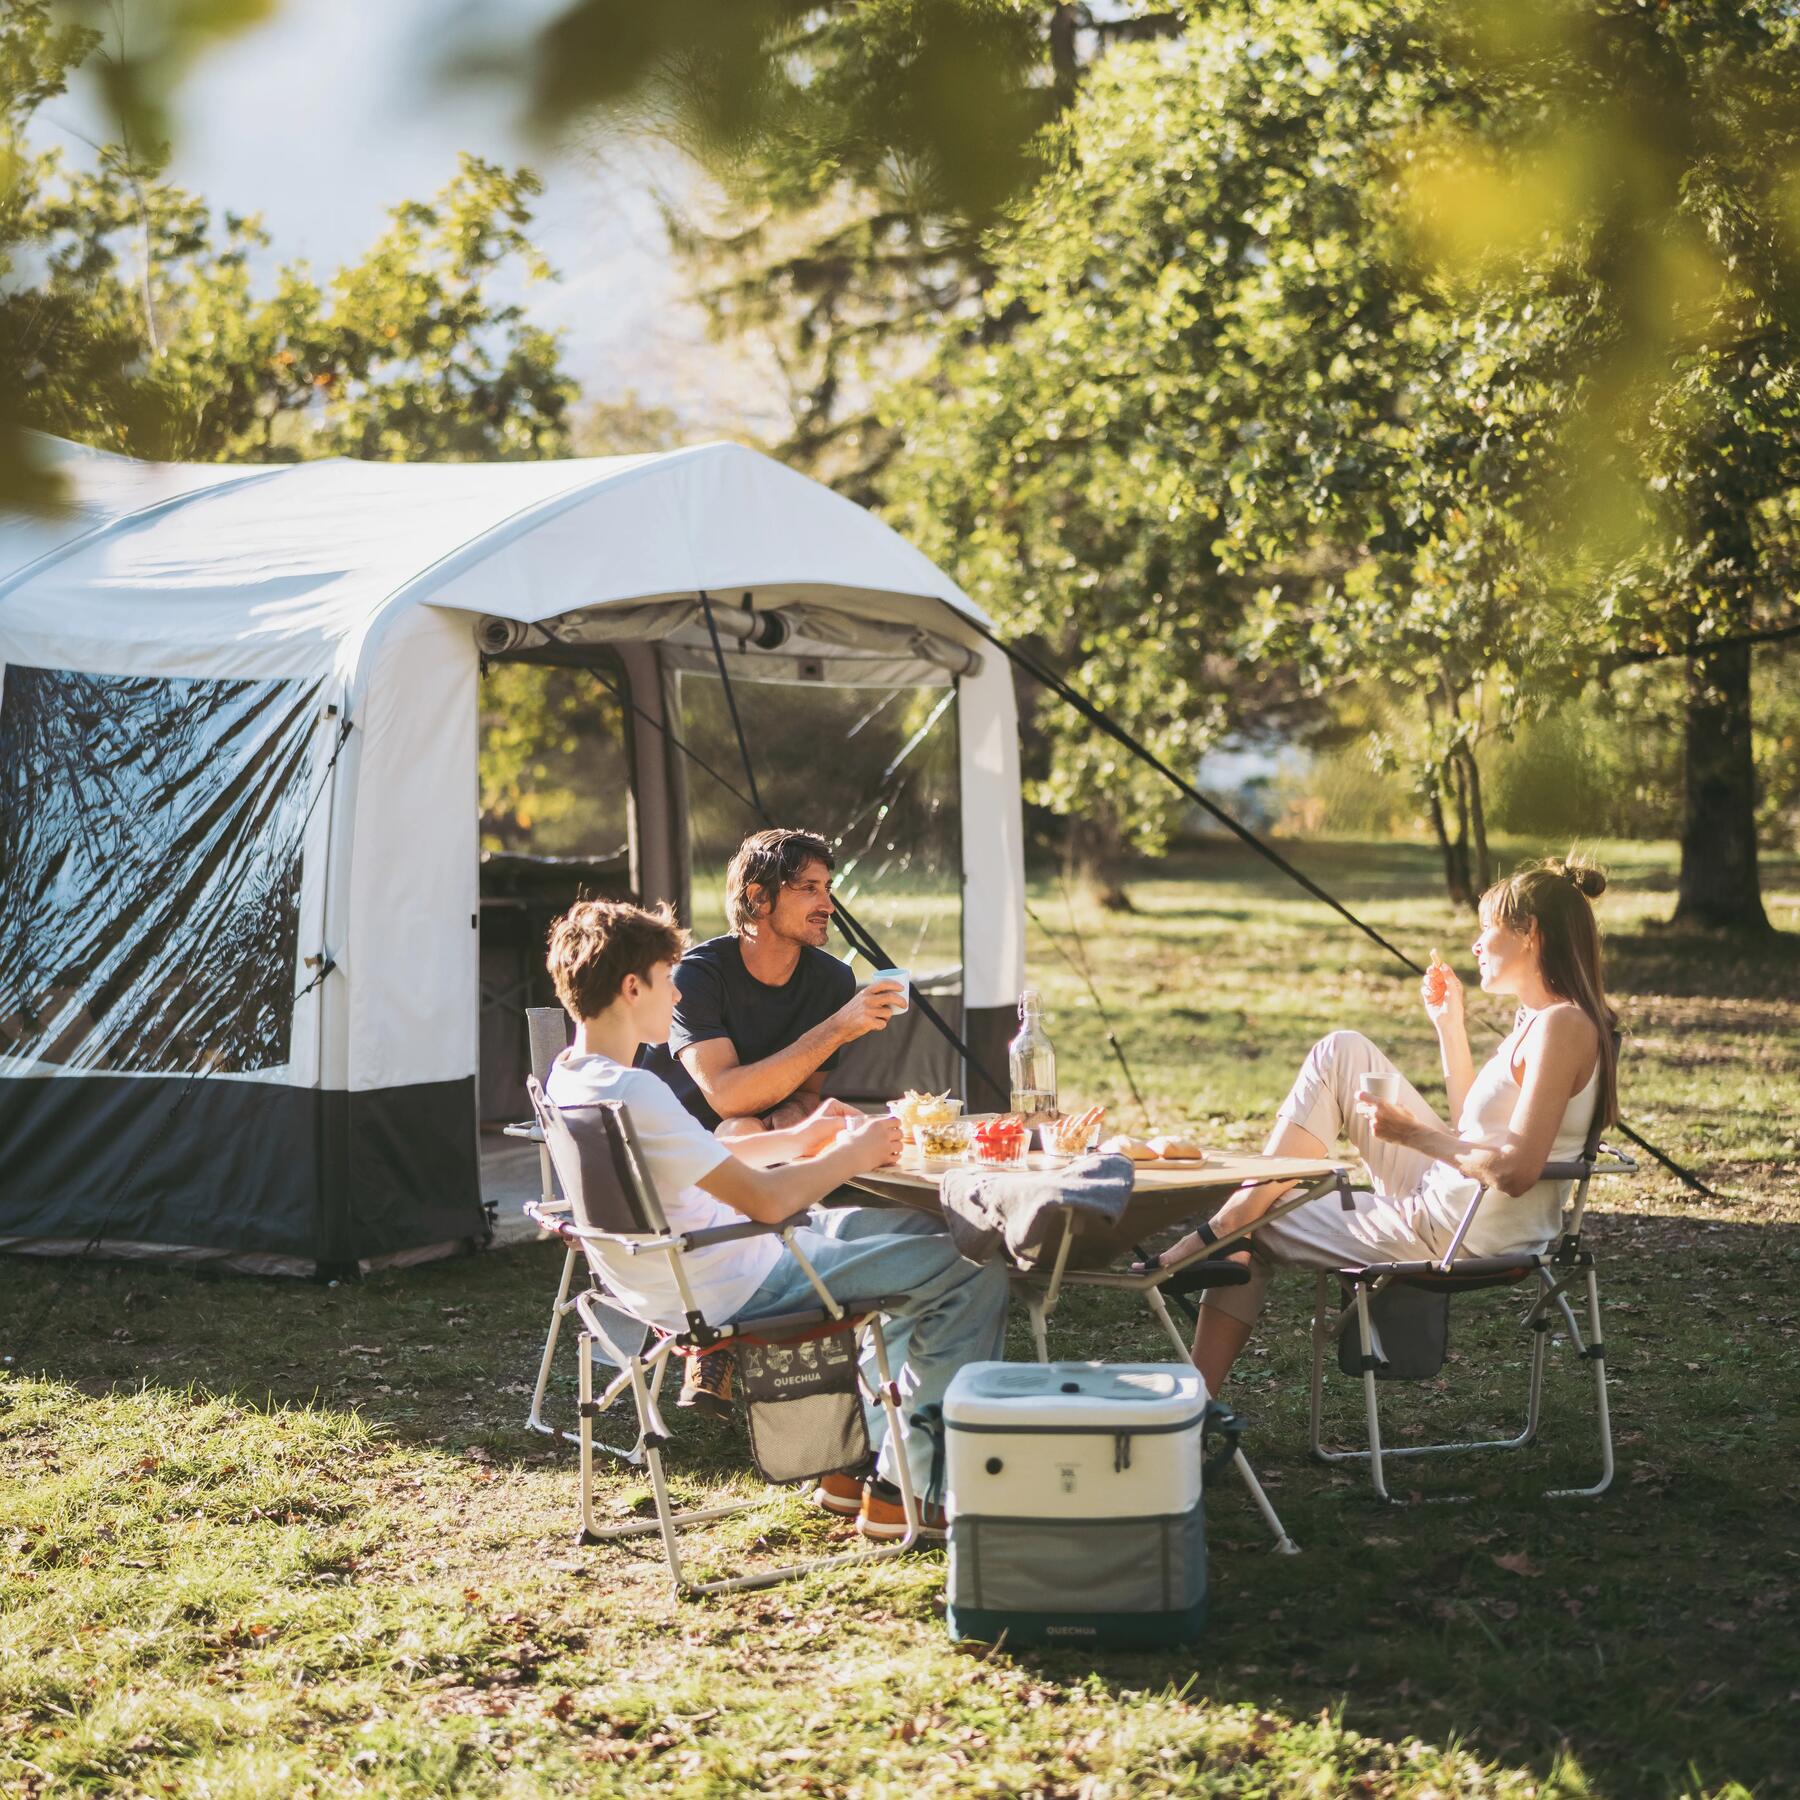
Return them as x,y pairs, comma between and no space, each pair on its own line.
1049,1396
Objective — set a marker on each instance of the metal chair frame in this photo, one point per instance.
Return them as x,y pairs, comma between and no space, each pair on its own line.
1566,1265
618,1167
551,1214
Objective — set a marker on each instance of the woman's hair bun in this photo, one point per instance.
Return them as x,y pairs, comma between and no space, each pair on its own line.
1582,876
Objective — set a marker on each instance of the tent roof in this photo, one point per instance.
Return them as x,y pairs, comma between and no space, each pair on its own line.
204,552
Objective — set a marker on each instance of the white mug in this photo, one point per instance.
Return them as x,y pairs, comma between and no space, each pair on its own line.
1382,1086
904,977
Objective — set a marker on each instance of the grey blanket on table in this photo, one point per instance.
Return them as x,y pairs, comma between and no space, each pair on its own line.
1023,1209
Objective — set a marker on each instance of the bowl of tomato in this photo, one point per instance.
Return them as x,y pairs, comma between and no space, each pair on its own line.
1001,1140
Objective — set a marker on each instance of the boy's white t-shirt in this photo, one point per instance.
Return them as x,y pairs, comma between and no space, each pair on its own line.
678,1151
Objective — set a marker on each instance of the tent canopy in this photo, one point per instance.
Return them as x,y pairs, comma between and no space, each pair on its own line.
254,563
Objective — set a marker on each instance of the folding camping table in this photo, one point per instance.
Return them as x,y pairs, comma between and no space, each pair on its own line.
1162,1195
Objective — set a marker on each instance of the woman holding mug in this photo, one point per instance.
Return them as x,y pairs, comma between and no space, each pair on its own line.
1533,1101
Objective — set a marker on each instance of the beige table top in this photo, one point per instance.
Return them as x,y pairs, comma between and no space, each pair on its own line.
1219,1170
1162,1195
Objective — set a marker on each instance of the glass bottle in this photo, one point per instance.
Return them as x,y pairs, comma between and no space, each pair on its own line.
1033,1063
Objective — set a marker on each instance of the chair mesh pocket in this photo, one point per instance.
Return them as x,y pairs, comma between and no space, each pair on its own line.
804,1406
1412,1334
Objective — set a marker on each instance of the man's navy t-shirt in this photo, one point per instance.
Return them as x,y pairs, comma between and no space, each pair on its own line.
719,998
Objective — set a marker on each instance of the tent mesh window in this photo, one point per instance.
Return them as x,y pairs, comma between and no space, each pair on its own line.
875,772
150,838
872,770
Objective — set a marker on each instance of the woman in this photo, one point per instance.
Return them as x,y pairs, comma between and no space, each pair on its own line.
1533,1101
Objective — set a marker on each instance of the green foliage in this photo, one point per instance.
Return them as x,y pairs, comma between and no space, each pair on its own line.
38,50
1197,444
856,147
1268,393
133,319
555,774
942,89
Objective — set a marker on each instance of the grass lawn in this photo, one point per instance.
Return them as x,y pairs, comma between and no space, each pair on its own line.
264,1539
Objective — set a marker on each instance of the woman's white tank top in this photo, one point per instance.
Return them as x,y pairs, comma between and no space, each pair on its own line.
1508,1223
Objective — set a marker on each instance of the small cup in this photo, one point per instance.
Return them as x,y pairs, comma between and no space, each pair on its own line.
1382,1086
904,977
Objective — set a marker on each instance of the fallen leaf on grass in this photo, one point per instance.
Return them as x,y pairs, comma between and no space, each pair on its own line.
1518,1562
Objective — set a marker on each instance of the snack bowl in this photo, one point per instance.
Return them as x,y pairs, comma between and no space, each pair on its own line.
914,1109
943,1140
1000,1140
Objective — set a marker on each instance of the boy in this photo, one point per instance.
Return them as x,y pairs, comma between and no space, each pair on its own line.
613,966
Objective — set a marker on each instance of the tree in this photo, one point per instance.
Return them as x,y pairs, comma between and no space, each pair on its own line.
38,50
1203,454
1636,172
1240,360
859,148
134,321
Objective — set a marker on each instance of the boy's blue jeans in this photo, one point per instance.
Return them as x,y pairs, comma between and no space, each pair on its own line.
946,1310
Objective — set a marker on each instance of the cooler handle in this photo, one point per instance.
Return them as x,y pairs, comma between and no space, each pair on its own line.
1221,1422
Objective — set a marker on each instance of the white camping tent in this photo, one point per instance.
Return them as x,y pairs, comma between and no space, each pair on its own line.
239,867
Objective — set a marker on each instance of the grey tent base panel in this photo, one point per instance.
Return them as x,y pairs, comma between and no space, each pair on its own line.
163,1164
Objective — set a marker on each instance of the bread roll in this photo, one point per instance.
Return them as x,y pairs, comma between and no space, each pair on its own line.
1184,1148
1134,1148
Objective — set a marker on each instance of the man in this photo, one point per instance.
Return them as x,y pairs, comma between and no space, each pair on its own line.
761,1014
764,1012
613,966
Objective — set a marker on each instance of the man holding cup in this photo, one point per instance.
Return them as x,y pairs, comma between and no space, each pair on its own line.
761,1014
764,1011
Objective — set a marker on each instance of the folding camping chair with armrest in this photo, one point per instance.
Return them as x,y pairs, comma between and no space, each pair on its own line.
613,1202
1557,1269
547,1030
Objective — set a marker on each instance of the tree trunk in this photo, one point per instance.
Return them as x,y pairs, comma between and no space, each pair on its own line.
1720,885
1456,855
1484,863
1094,854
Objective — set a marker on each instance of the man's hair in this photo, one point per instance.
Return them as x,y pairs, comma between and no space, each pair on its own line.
597,943
766,861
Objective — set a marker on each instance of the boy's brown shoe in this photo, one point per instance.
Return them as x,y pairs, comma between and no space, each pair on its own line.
884,1518
706,1382
840,1494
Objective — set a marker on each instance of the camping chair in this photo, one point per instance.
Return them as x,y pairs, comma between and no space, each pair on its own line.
613,1202
1565,1264
547,1029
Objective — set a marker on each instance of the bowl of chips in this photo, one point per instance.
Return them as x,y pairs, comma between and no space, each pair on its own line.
915,1109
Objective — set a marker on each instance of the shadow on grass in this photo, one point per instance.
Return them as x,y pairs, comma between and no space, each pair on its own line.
1637,1635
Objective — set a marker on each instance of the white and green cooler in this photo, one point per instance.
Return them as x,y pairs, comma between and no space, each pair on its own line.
1074,1491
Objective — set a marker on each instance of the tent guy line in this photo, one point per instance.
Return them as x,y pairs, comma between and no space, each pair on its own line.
1072,696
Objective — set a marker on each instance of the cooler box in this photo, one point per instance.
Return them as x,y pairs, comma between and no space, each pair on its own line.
1074,1496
